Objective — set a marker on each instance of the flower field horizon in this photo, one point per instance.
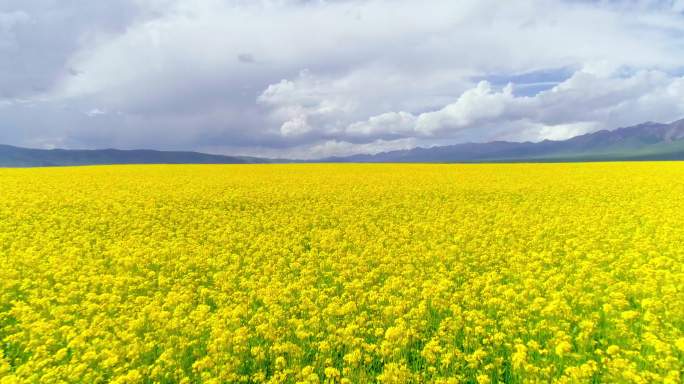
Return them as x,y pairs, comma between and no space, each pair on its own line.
343,273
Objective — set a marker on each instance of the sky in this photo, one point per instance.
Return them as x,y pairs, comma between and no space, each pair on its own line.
309,79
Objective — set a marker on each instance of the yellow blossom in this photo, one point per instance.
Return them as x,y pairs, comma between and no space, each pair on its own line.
332,273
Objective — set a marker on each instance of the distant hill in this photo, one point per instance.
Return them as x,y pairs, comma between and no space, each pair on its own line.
25,157
647,141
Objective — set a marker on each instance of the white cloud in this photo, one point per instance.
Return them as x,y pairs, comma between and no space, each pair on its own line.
296,125
95,112
326,148
232,74
392,123
585,102
305,103
562,131
344,148
476,105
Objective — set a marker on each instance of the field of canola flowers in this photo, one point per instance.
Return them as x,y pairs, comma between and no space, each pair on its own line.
568,273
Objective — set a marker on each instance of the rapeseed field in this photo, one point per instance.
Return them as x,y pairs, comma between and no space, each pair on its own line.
564,273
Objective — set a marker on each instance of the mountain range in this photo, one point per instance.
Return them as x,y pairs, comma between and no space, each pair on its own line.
647,141
27,157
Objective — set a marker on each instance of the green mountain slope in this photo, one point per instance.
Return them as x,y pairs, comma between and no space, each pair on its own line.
25,157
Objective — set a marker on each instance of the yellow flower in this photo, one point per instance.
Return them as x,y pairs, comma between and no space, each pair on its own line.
519,356
332,372
680,344
396,273
563,348
280,362
613,350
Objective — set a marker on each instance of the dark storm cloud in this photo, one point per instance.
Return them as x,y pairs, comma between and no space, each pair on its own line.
38,37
